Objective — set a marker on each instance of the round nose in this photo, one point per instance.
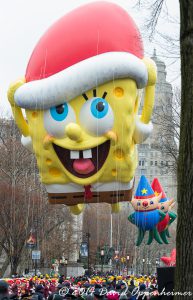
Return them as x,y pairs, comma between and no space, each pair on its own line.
145,203
73,131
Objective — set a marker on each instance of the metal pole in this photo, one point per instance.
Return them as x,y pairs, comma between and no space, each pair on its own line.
111,237
127,260
136,265
88,261
66,270
35,267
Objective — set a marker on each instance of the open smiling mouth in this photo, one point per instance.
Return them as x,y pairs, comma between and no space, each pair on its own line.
83,163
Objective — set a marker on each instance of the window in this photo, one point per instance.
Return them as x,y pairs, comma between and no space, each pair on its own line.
141,163
143,171
151,163
155,162
162,163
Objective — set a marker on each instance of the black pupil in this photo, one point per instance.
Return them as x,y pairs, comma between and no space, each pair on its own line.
100,106
60,109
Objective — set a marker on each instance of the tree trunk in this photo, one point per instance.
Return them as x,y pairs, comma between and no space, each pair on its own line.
184,268
14,265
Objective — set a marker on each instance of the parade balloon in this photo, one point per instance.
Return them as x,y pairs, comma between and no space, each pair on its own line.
165,206
147,214
81,97
171,260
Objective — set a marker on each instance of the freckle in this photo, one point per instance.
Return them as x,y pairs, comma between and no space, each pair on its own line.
54,172
118,92
114,172
48,161
119,154
34,114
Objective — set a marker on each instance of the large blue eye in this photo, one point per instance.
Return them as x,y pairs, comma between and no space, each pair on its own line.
60,112
138,203
151,202
99,108
96,116
57,118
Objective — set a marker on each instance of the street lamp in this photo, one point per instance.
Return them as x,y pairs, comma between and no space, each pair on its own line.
127,264
143,260
102,259
66,264
116,258
87,236
157,263
148,265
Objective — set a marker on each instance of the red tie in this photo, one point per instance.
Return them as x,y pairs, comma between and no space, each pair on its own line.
87,192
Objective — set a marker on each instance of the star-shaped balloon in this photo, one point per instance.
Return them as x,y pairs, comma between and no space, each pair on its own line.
171,260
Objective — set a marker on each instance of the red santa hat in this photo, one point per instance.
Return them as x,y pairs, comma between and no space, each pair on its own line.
91,45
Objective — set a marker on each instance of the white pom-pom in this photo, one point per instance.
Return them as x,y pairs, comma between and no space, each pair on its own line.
142,130
27,142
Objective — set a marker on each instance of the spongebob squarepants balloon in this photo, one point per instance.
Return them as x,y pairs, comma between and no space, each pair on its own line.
80,95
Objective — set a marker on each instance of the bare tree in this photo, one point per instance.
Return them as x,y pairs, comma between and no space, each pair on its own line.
166,42
97,222
155,8
15,222
168,120
25,206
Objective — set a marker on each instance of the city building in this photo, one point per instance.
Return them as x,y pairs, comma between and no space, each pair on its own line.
154,161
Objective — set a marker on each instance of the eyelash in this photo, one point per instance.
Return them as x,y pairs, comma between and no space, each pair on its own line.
94,95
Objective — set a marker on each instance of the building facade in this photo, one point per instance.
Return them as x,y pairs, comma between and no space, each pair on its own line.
154,161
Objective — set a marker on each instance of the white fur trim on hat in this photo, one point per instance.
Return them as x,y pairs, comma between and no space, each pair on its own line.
142,130
79,78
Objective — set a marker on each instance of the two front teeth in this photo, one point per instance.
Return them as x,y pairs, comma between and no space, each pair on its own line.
85,154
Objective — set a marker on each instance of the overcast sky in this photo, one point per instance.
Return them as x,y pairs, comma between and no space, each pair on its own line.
22,22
